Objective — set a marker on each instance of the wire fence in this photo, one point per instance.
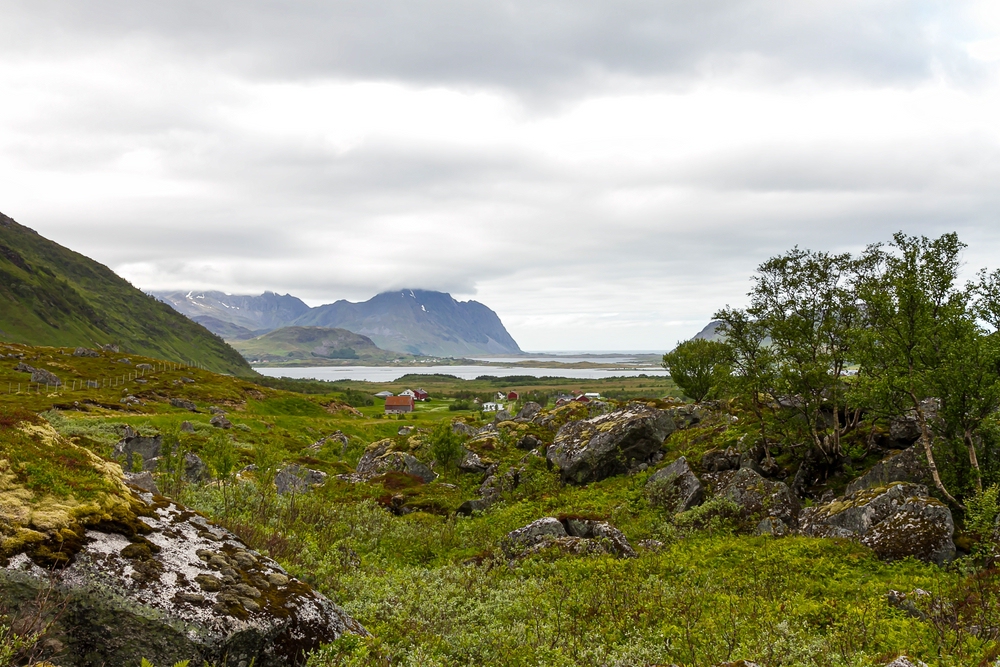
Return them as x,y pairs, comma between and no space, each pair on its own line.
100,382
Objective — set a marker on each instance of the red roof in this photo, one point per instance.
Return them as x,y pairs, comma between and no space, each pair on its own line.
398,401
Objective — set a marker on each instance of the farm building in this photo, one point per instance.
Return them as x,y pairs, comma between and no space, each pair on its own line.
383,394
395,405
421,395
408,392
512,396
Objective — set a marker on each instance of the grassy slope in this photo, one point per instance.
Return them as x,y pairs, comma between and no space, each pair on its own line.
312,346
434,590
50,295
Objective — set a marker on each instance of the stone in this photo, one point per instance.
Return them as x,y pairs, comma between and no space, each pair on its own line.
195,469
675,487
183,404
772,526
717,460
903,661
216,410
907,465
296,479
111,347
474,505
161,602
906,429
380,458
895,521
85,352
125,360
24,368
593,449
220,421
577,536
404,430
187,427
502,416
42,376
528,411
462,429
529,442
135,451
470,462
761,498
142,480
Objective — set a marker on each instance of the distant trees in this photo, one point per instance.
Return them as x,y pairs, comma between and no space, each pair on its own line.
829,340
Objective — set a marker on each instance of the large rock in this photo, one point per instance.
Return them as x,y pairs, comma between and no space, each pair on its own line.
137,576
379,459
195,470
528,411
220,421
85,352
760,498
675,487
184,404
895,521
577,536
470,462
593,449
134,451
462,429
502,416
42,376
906,429
295,478
905,466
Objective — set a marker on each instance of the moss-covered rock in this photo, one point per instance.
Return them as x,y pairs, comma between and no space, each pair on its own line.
129,574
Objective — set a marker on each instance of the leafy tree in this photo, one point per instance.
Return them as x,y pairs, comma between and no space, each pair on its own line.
445,444
699,367
912,307
223,459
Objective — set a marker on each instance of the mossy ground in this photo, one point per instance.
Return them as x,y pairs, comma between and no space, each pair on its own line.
433,588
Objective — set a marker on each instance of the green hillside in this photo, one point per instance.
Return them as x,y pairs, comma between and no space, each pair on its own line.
312,346
50,295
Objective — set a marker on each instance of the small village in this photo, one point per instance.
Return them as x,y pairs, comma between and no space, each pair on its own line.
405,402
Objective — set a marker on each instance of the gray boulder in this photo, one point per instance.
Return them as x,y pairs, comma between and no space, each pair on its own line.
216,410
895,521
906,429
195,469
135,451
462,429
183,590
772,526
675,487
85,352
528,411
717,460
42,376
24,368
471,462
220,421
187,427
142,480
578,536
502,416
295,478
183,404
761,498
529,442
594,449
905,466
379,459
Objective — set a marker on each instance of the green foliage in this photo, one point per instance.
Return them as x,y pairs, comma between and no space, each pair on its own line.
456,406
446,445
699,367
982,520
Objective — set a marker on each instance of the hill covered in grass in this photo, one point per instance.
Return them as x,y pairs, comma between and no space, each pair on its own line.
50,295
311,346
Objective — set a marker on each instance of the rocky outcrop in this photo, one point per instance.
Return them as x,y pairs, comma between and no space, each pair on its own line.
296,479
895,521
572,535
717,460
220,421
759,498
138,576
501,416
463,429
184,404
529,442
136,452
908,465
593,449
195,470
470,462
906,428
675,487
528,411
85,352
380,458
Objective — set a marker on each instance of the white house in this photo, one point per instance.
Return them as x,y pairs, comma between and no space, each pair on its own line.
408,392
492,407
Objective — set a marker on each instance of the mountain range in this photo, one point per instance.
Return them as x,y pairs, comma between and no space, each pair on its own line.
410,321
50,295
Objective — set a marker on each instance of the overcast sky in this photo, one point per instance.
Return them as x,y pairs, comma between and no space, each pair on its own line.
604,175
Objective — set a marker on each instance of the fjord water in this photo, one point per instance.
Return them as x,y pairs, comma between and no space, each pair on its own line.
392,373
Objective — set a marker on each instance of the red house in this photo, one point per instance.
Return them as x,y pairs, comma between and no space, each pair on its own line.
421,395
395,405
512,396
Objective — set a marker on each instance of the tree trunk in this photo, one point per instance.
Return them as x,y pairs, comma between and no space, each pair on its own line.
974,460
925,439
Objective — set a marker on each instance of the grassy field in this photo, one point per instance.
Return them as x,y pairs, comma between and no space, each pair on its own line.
435,587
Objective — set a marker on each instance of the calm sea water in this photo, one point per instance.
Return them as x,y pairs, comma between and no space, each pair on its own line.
392,373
